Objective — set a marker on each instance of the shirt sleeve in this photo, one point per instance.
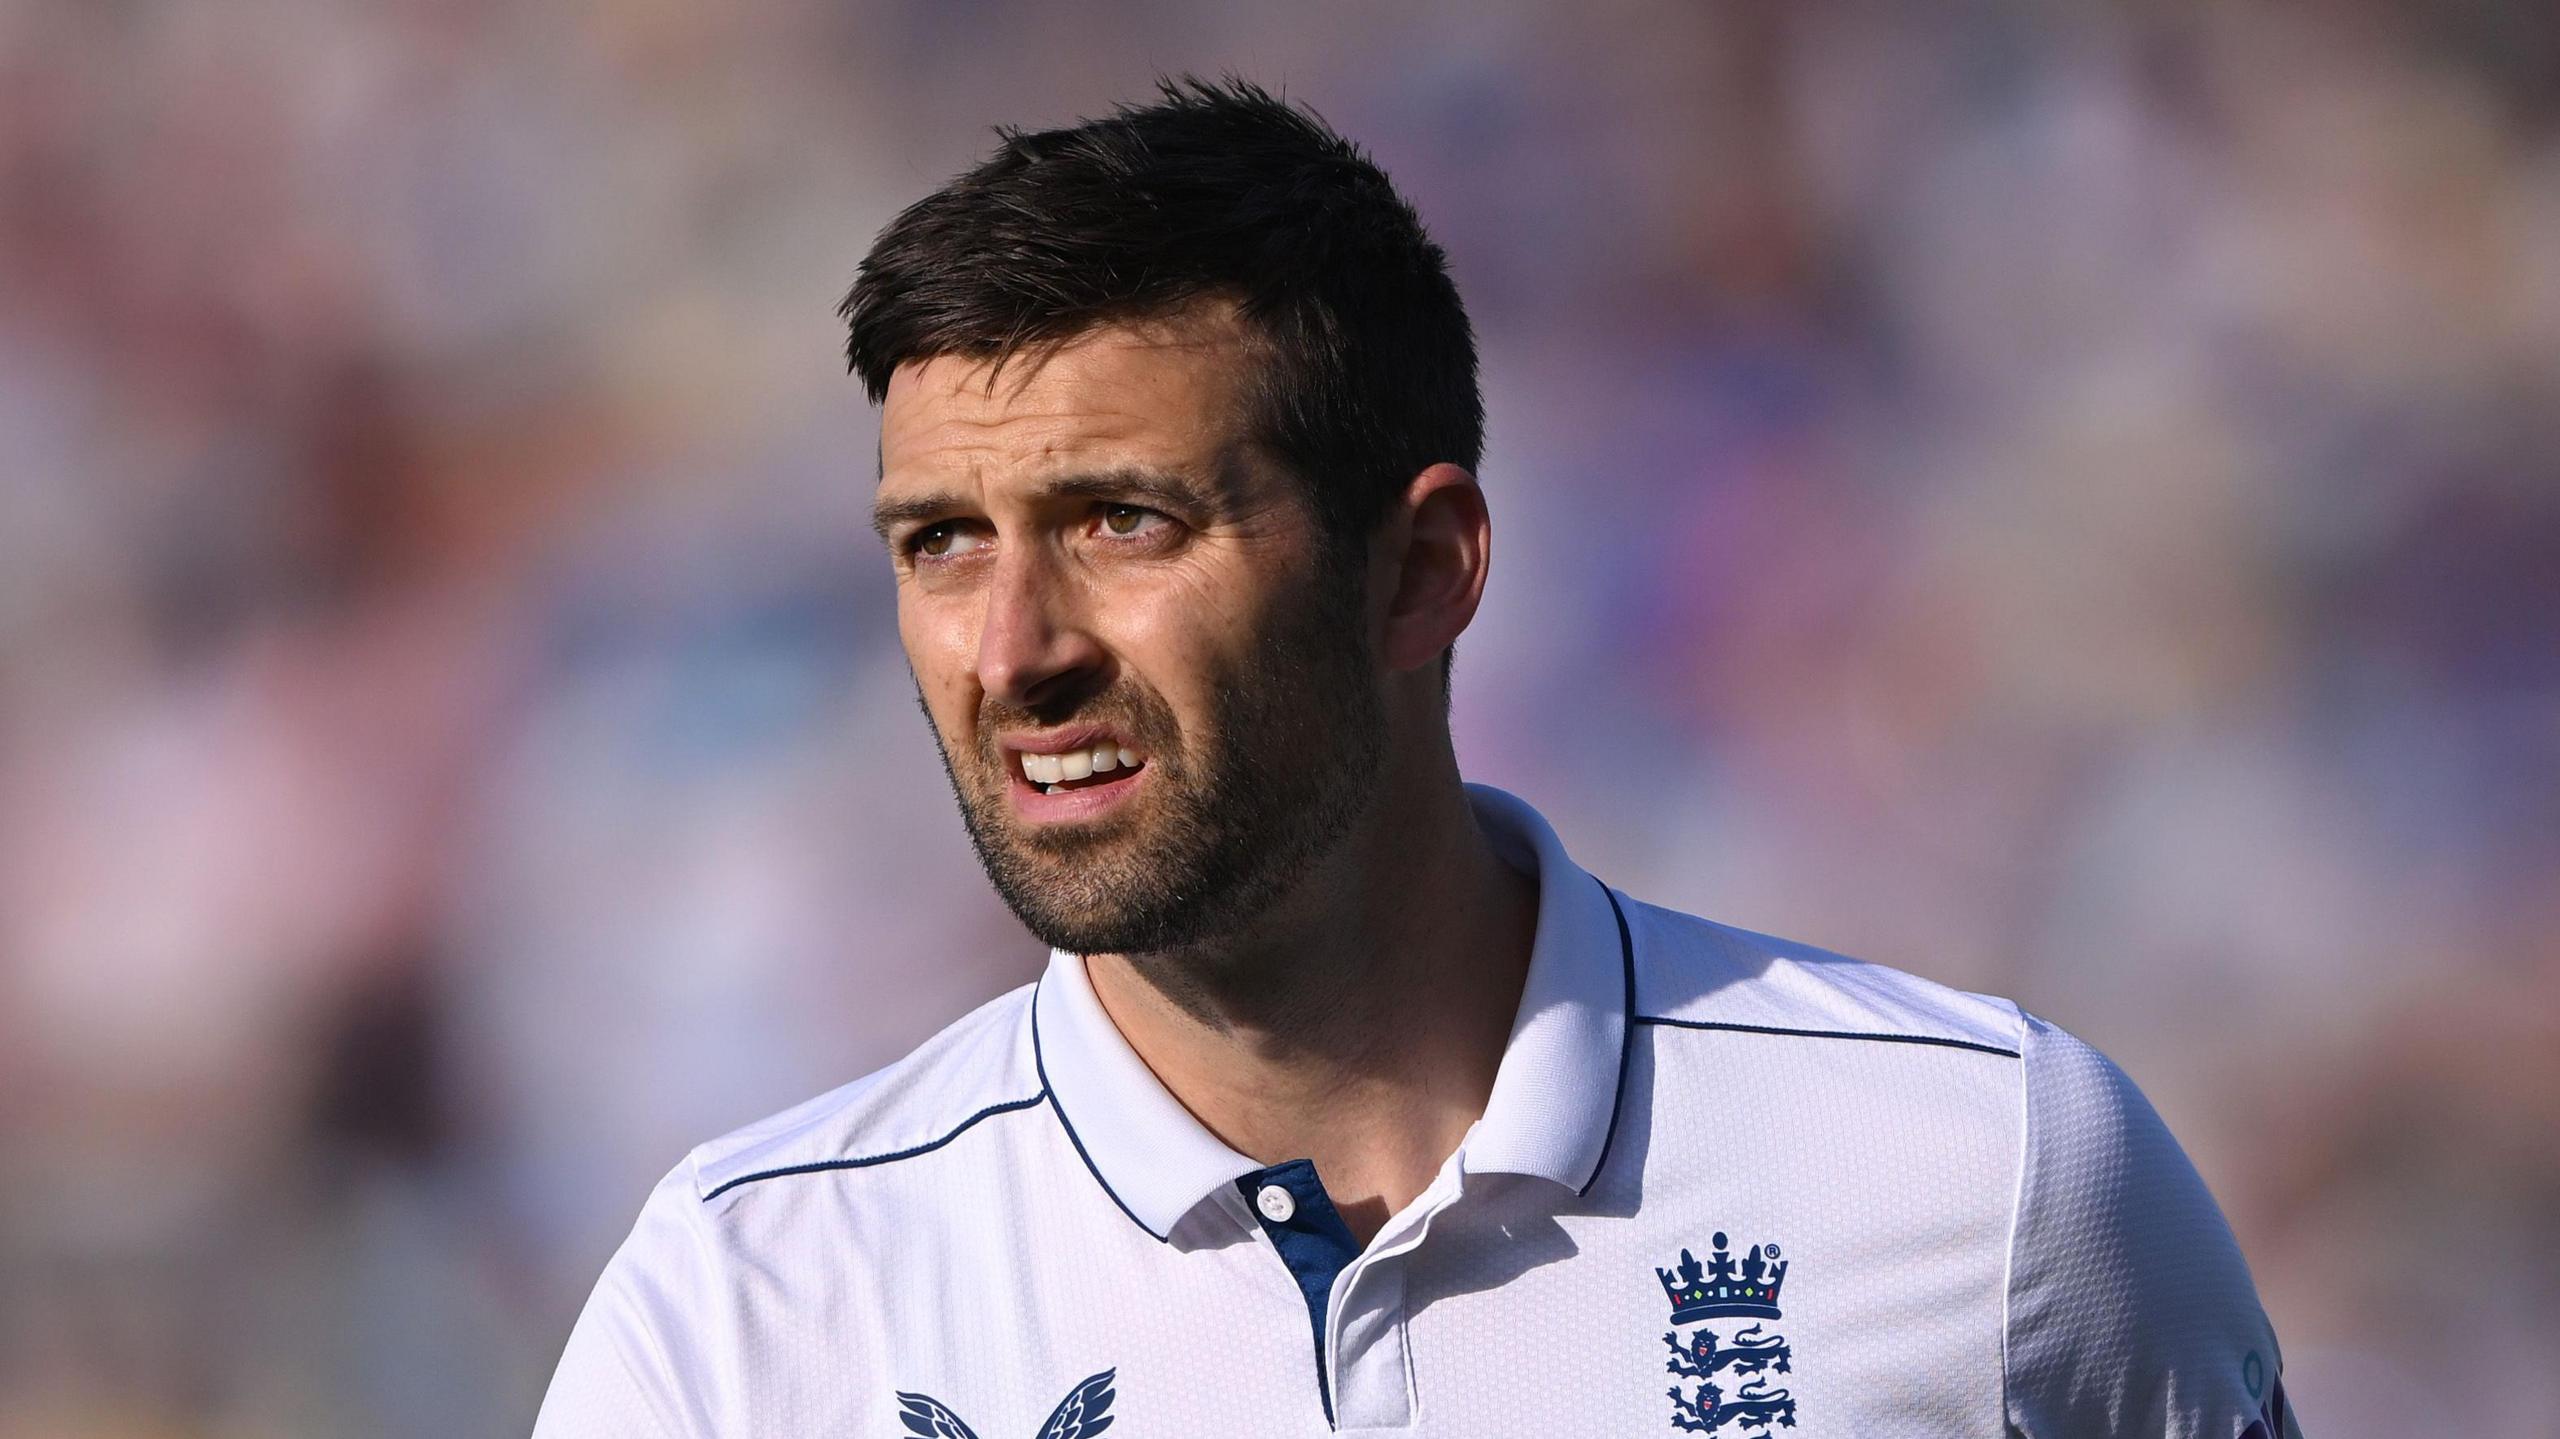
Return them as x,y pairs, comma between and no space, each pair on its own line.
634,1365
2131,1311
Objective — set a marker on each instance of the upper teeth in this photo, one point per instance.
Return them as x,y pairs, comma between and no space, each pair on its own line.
1077,763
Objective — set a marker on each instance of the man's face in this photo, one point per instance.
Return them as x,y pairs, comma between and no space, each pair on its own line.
1157,706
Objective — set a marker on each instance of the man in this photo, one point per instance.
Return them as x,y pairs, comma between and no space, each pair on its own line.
1348,1103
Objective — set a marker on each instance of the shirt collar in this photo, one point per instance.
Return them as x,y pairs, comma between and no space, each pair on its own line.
1555,1096
1154,1160
1554,1105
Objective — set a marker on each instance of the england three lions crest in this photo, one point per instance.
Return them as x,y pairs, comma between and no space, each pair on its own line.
1723,1372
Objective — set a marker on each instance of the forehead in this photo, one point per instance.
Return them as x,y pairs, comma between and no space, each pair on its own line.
1165,393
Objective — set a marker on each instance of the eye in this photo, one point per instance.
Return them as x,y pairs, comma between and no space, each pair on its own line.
1128,520
944,540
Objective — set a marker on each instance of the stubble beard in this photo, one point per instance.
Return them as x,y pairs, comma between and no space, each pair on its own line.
1230,817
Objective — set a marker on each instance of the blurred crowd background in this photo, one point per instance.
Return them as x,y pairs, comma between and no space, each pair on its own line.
2060,497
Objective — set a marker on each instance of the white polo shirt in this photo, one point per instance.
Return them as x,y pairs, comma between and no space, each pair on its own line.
1724,1184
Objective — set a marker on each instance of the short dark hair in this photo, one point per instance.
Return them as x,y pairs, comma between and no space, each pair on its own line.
1215,190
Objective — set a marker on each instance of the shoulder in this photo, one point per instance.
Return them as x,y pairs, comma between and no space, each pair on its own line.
979,1068
658,1341
916,1113
1694,973
2129,1309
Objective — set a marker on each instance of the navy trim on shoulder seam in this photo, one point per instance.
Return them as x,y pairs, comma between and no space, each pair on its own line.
1829,1034
868,1160
1626,1035
1051,1094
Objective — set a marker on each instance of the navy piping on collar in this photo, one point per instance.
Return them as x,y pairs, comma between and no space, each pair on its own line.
1617,1103
868,1160
1626,1034
1939,1040
1050,1093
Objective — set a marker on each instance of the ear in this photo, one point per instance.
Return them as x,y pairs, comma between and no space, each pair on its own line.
1438,545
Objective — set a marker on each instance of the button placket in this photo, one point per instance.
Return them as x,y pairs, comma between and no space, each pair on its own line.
1304,1228
1372,1385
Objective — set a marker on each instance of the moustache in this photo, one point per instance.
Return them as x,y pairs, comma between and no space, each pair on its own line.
1138,717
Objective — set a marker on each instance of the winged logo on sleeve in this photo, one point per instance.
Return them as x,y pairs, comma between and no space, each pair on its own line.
1086,1411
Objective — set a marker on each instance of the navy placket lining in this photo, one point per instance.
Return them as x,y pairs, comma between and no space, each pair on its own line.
1313,1242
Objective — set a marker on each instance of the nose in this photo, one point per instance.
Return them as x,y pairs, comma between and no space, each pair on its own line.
1034,646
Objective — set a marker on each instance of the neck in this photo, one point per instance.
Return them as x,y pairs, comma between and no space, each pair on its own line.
1300,1038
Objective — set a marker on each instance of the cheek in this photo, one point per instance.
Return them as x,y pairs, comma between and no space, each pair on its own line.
1220,606
1190,649
941,650
1173,642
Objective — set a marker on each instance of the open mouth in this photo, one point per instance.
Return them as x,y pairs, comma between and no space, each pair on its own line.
1092,766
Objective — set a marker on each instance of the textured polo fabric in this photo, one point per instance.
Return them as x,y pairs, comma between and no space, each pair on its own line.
1724,1184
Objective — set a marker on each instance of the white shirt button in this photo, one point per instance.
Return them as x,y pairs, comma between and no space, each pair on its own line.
1276,1204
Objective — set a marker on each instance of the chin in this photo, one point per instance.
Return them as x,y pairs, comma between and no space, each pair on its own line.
1073,887
1096,933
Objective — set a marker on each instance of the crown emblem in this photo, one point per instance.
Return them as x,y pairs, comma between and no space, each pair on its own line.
1723,1286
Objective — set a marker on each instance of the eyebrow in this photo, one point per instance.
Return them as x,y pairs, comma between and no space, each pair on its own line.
1164,489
